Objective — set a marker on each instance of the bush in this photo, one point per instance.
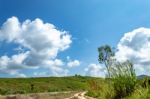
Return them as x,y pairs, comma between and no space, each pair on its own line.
124,79
140,93
4,91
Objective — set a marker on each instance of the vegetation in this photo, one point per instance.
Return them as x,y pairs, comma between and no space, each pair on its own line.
105,54
122,82
124,79
98,87
47,84
105,90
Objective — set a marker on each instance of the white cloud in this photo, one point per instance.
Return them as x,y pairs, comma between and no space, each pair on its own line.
59,72
17,74
14,73
135,46
95,70
56,67
42,42
13,62
40,74
73,63
20,75
55,62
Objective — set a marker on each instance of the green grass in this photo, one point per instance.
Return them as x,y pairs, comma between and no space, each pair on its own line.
105,90
96,87
47,84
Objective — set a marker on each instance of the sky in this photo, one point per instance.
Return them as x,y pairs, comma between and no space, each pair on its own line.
61,37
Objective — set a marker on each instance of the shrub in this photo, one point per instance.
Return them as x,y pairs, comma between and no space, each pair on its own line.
4,91
124,79
140,93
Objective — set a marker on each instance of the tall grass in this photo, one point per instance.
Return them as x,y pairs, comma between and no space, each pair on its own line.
100,89
122,83
124,79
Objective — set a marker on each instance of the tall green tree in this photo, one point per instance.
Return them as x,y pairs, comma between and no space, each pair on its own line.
105,55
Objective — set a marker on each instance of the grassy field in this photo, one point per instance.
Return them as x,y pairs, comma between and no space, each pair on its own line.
47,84
96,87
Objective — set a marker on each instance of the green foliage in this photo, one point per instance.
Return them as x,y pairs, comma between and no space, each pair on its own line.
4,91
122,74
140,93
97,87
100,89
47,84
124,78
105,54
104,89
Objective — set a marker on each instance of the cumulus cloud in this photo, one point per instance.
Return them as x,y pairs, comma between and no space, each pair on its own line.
12,73
57,67
17,74
95,70
73,63
135,46
40,74
15,61
42,43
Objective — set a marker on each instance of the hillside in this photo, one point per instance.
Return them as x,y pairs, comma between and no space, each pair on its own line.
45,84
142,76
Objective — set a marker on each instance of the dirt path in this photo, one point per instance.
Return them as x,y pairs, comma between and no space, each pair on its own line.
52,95
80,95
47,95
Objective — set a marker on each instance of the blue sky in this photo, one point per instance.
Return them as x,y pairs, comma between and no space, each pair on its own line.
91,23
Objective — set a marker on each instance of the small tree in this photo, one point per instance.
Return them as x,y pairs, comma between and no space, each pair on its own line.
105,54
122,73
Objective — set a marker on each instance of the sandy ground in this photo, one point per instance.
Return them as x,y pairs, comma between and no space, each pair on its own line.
53,95
50,95
80,95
